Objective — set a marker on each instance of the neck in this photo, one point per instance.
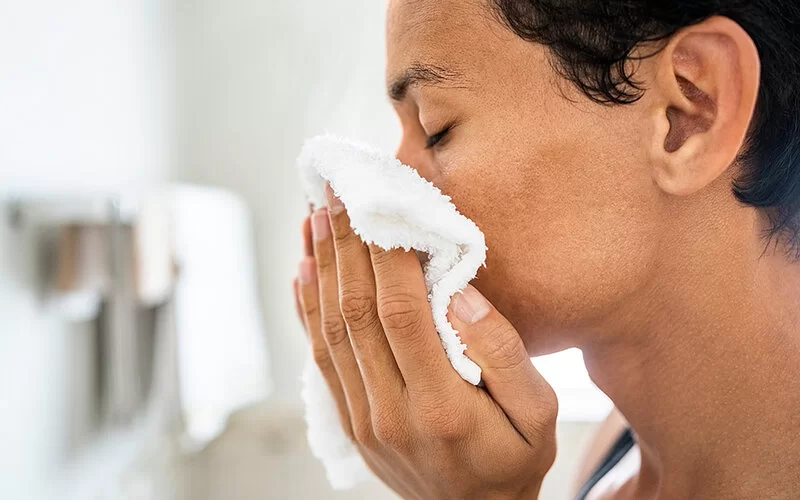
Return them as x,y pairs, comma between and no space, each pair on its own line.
707,372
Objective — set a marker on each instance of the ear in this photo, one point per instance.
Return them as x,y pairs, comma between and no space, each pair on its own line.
706,87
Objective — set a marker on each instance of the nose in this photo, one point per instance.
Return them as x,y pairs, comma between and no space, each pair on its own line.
404,153
412,155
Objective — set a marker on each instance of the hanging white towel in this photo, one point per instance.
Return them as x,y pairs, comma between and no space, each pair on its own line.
222,351
391,206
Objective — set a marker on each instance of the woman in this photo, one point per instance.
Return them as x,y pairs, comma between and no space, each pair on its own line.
635,167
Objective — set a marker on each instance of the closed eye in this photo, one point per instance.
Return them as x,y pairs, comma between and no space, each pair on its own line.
433,140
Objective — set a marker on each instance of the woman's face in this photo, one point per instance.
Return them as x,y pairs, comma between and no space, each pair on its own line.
560,186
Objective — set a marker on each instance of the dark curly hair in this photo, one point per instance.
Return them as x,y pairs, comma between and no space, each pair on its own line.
592,43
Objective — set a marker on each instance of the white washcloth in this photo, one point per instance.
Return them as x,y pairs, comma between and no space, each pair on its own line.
391,206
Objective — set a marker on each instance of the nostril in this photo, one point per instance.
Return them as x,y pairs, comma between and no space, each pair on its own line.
422,256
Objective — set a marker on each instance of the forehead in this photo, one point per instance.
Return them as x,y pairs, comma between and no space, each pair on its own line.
430,15
450,33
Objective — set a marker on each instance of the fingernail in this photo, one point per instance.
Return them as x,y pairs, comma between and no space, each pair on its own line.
335,205
470,306
307,272
320,225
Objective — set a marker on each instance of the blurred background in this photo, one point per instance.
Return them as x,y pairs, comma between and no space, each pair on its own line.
149,235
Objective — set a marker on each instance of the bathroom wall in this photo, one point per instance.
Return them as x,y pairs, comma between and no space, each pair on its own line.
255,79
86,93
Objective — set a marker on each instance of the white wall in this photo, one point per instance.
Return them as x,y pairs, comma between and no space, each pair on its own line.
85,93
255,78
86,105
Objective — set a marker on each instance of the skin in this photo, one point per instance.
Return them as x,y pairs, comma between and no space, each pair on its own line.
610,228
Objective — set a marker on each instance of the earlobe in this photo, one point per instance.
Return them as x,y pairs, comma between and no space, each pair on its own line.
708,79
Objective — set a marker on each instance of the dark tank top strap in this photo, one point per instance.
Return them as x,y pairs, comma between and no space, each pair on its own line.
621,448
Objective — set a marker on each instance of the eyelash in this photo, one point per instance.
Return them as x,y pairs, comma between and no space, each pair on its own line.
435,139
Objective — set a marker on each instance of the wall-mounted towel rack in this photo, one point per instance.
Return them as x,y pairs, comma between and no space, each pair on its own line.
55,210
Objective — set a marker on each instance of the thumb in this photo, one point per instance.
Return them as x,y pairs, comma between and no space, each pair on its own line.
510,377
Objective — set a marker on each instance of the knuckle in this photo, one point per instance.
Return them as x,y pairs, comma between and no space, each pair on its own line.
323,360
335,332
542,426
359,308
504,348
387,261
550,407
546,417
379,255
326,258
443,423
311,308
389,432
342,233
399,312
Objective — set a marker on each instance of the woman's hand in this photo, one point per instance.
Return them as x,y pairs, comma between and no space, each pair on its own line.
421,428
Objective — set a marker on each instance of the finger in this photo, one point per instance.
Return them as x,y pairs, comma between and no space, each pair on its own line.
309,300
297,302
334,329
358,303
308,244
407,320
510,377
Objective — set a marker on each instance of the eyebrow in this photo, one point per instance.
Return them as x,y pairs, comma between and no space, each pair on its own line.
419,75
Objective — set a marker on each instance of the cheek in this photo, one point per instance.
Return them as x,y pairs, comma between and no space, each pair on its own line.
570,222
